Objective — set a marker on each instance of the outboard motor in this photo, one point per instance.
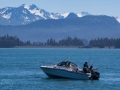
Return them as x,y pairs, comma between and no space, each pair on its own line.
95,75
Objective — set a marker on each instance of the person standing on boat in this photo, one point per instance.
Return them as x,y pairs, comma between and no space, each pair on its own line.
85,67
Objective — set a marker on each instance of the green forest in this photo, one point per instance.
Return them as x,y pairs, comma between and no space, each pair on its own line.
12,41
102,42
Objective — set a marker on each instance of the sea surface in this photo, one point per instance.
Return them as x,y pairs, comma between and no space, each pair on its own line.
19,68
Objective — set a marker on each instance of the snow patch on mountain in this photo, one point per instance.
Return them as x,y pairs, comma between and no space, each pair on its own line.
3,10
7,16
37,12
83,14
26,6
118,19
26,18
34,10
24,11
65,14
79,15
53,17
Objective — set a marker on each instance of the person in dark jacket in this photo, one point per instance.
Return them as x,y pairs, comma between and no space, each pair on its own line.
85,67
91,70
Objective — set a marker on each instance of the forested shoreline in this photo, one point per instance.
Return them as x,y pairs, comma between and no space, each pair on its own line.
7,41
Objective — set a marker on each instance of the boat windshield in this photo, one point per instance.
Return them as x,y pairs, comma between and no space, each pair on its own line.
66,63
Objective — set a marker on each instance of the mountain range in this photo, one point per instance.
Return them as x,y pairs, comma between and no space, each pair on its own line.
25,14
87,27
28,22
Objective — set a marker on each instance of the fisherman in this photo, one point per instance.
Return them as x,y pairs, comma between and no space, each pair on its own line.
91,69
93,74
85,67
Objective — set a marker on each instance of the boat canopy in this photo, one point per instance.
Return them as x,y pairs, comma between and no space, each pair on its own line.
66,63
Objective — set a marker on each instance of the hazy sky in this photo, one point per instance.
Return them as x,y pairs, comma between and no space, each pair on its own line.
95,7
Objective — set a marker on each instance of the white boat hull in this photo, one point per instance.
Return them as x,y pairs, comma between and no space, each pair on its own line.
61,73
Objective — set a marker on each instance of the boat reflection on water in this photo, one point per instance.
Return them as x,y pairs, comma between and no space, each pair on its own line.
67,69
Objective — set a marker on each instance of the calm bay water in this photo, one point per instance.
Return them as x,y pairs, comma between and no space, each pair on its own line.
19,68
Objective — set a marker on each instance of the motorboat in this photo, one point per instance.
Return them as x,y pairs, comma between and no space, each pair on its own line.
70,70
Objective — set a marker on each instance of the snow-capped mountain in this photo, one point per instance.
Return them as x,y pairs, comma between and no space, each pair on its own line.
78,14
65,14
73,15
25,14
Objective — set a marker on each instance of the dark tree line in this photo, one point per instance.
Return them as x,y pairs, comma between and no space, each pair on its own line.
71,42
10,41
65,42
102,42
51,42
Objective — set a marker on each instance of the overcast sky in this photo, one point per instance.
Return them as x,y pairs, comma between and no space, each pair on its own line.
95,7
